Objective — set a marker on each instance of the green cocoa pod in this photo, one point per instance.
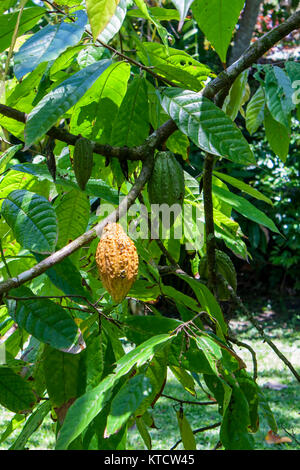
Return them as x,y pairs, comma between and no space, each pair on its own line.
83,161
226,268
166,185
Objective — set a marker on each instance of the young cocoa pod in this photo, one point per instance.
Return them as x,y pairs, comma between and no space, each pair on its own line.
83,161
226,268
117,261
166,185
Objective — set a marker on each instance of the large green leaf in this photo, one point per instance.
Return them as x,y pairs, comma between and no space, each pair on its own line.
44,319
32,219
162,14
95,112
32,424
47,44
60,100
217,19
245,208
207,125
255,111
277,135
87,407
243,187
6,156
131,125
100,13
73,211
29,18
115,23
15,393
66,277
186,433
279,92
175,65
234,433
95,187
207,301
62,373
126,402
163,32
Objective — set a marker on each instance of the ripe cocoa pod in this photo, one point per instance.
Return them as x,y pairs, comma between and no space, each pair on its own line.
166,184
83,161
117,261
226,268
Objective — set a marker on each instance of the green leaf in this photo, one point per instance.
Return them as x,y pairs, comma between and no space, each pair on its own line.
100,13
207,125
94,114
140,424
29,18
245,208
15,393
44,319
185,379
243,187
162,14
255,111
85,408
60,100
66,277
234,433
115,23
175,65
72,211
32,219
186,433
217,21
131,125
163,32
207,301
95,187
32,424
48,44
62,373
277,135
279,92
13,424
6,156
126,402
236,96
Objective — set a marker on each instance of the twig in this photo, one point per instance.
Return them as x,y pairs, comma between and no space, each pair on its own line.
189,402
254,322
245,345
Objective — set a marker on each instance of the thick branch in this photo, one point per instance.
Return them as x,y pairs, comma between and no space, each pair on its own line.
226,78
134,153
87,237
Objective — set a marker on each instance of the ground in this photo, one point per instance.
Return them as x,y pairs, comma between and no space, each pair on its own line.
279,385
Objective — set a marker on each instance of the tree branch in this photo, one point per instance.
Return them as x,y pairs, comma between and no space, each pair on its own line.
87,237
221,83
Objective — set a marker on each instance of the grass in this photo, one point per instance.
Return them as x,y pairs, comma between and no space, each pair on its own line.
284,401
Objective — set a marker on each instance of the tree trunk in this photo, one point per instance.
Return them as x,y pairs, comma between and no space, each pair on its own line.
246,27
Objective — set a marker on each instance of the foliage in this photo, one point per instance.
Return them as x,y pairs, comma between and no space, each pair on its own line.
63,337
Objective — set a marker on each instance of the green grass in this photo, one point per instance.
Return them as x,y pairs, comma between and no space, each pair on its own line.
284,402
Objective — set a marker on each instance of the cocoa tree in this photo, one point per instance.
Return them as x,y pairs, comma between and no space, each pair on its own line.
98,113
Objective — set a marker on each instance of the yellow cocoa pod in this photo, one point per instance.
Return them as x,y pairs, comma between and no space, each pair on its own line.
117,261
